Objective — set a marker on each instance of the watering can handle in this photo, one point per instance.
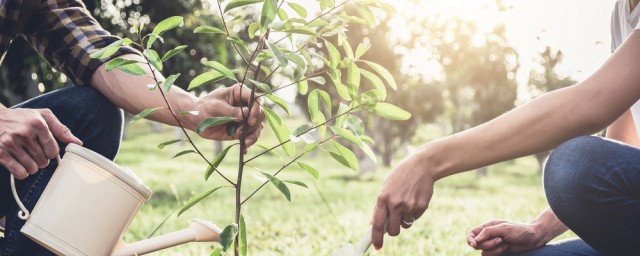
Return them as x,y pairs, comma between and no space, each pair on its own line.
23,213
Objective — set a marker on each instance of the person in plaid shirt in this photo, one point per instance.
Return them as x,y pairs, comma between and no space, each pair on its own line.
89,114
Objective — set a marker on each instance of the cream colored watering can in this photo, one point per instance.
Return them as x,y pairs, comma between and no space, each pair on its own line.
89,203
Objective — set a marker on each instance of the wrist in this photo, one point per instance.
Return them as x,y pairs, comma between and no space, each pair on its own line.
433,162
187,104
543,233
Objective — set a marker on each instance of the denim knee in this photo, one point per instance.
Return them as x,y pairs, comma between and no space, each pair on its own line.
568,171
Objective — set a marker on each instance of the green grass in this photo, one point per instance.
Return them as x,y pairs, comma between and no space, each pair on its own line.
306,226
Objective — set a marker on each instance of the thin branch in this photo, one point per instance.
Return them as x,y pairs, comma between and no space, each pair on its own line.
289,140
293,83
226,29
282,168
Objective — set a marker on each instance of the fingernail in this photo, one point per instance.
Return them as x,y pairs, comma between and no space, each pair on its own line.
377,247
254,121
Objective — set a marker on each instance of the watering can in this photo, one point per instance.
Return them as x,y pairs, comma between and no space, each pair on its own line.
89,203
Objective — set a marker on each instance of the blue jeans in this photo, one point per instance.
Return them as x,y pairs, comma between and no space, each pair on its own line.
90,117
593,186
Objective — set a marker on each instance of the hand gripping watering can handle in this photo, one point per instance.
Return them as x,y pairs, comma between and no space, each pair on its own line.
23,213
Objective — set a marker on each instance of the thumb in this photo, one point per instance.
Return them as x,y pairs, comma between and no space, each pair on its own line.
59,130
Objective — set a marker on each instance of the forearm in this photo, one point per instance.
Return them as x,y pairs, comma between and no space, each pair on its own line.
548,226
132,94
545,122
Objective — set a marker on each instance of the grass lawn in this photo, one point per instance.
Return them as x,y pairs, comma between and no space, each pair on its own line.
306,225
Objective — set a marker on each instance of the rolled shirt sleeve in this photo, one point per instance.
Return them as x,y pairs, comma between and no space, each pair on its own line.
65,34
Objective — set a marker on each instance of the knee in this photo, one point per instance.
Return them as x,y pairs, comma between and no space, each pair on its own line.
569,172
92,106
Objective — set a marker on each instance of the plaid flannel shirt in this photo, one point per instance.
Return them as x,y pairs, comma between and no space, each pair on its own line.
62,31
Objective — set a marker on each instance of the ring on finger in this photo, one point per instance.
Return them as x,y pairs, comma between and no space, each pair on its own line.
410,222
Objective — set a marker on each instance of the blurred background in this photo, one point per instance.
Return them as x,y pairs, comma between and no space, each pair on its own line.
457,63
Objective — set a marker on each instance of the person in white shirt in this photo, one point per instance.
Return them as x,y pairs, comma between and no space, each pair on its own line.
592,184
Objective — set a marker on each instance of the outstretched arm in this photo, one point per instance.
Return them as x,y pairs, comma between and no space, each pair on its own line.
539,125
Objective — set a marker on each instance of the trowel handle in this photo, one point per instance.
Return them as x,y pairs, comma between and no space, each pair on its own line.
23,213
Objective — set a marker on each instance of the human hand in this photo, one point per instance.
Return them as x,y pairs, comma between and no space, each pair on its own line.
498,236
27,139
225,102
404,197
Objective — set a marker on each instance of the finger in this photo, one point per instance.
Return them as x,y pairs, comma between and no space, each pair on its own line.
14,167
241,92
256,115
377,228
475,231
58,129
25,160
490,244
36,152
488,233
497,251
252,138
395,217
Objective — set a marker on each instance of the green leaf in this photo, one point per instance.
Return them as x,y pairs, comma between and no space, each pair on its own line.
353,79
310,169
231,128
348,50
216,162
279,184
242,237
238,43
312,104
318,23
227,236
281,130
300,130
334,55
196,199
367,151
390,111
301,11
303,86
282,14
269,9
222,69
205,78
318,80
375,81
153,58
163,26
342,117
216,252
295,182
265,147
143,114
342,90
367,15
262,86
280,56
310,147
173,52
362,49
238,3
253,28
214,121
355,125
324,4
168,83
108,50
383,72
114,63
322,129
348,135
367,139
167,143
184,152
301,30
132,69
345,156
208,30
327,100
280,102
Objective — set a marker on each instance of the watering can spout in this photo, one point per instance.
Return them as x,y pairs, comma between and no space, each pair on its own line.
198,231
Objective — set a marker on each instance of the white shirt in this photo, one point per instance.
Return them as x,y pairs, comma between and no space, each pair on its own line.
623,22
